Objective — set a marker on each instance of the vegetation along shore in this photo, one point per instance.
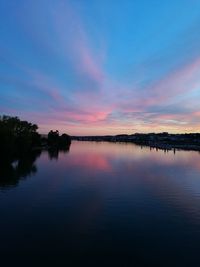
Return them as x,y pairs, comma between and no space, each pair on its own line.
20,138
163,140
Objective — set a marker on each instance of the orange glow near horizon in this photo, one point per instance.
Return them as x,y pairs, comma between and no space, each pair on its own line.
121,129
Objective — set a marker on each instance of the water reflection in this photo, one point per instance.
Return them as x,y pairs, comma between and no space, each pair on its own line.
12,172
105,204
54,152
173,178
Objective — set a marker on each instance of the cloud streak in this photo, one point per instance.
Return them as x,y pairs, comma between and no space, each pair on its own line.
54,73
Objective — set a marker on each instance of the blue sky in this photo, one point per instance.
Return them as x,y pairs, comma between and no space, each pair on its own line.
101,67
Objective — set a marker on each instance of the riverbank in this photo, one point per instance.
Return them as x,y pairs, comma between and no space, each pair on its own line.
164,141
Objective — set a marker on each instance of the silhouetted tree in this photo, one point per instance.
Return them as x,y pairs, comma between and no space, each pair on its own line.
17,137
65,140
53,138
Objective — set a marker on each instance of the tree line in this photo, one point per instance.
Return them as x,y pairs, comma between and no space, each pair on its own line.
18,137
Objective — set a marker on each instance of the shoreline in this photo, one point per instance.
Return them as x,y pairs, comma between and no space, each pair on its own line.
164,141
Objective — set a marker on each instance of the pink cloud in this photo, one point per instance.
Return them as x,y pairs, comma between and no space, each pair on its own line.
179,82
114,107
71,32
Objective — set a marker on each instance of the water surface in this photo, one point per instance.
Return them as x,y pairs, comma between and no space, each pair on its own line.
101,204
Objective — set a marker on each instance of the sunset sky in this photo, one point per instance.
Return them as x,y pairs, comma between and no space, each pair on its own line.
95,67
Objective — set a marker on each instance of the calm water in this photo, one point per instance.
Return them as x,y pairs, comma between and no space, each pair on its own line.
101,204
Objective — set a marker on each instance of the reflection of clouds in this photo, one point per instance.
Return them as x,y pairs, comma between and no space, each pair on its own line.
95,162
117,172
172,178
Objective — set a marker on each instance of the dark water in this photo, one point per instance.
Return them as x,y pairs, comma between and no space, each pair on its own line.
101,204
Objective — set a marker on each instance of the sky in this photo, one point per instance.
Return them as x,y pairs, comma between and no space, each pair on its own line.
97,67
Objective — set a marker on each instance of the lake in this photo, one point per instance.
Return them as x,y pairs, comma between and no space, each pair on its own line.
101,204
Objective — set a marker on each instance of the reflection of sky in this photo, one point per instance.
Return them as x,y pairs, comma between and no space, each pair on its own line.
106,199
101,67
124,172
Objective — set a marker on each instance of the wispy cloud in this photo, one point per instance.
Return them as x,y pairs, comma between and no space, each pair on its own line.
55,74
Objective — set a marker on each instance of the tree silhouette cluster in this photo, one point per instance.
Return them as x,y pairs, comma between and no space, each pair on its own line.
55,140
20,145
18,138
